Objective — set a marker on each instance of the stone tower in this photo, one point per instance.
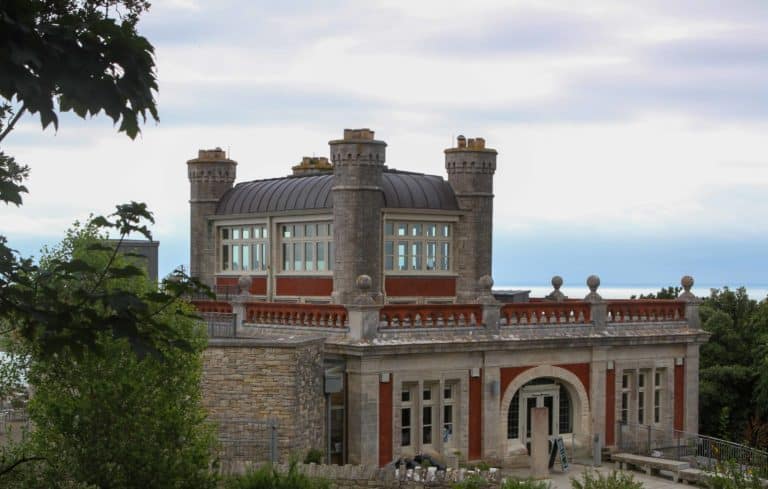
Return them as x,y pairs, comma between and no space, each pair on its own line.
211,174
358,163
470,167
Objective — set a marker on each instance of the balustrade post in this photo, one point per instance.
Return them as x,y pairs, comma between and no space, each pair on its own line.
598,307
691,303
491,307
364,313
239,301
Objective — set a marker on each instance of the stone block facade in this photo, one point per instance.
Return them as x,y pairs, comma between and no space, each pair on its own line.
268,380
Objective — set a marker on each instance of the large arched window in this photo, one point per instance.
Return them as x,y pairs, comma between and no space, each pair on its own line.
524,399
566,411
513,418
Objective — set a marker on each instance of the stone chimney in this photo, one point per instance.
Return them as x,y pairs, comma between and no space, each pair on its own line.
311,165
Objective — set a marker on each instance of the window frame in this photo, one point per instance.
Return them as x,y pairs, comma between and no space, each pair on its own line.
226,246
398,257
302,241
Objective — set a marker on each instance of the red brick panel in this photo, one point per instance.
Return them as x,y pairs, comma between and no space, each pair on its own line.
304,286
508,374
476,417
610,406
580,370
258,283
679,396
420,286
385,423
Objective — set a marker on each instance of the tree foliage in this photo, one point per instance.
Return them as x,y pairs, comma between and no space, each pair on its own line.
734,367
104,416
83,56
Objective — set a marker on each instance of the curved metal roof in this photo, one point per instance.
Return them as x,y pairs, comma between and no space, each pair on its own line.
402,190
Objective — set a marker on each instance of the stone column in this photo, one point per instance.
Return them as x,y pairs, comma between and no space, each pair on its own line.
691,411
357,202
470,166
491,307
211,174
539,438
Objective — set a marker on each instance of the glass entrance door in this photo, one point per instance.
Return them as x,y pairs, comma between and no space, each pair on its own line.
546,395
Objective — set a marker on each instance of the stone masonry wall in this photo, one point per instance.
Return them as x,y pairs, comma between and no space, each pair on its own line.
265,379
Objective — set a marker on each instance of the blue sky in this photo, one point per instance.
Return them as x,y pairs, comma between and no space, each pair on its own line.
631,135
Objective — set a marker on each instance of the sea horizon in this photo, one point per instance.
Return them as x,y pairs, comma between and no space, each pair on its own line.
757,292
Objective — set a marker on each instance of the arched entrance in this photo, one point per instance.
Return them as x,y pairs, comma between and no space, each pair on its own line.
545,386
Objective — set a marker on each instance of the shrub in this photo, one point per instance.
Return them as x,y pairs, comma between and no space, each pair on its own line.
471,482
314,456
528,483
483,466
268,477
732,476
591,479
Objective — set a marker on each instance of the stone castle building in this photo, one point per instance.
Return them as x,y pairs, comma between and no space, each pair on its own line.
385,274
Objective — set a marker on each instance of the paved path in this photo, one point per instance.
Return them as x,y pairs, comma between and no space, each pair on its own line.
562,480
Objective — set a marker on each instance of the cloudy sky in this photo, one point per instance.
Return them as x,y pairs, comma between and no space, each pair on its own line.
632,136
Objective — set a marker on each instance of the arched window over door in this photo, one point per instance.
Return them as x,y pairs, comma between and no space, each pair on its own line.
562,407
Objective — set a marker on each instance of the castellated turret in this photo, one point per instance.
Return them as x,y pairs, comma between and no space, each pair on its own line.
470,166
211,174
358,164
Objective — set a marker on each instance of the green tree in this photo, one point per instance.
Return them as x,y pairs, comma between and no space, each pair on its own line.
104,416
731,384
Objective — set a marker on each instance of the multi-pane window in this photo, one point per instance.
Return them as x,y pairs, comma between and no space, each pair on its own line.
657,378
448,400
426,415
405,417
564,411
625,387
306,247
641,398
417,246
513,418
244,248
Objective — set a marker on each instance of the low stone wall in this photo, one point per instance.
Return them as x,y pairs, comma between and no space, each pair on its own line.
356,476
275,380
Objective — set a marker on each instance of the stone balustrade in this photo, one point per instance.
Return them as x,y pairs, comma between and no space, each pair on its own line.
642,310
431,315
364,319
545,313
208,306
307,315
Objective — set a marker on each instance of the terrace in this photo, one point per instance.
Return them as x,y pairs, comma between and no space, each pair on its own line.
239,314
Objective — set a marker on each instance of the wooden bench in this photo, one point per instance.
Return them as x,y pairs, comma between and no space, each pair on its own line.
651,465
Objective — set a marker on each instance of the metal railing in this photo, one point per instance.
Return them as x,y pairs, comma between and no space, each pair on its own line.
220,325
247,440
701,451
14,425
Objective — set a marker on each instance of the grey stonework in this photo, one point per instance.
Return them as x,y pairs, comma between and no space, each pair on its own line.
211,174
268,379
358,199
470,168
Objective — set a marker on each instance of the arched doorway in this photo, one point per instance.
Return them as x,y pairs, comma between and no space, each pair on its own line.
545,386
541,392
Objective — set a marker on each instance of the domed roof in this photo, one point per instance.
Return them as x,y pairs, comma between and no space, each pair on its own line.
402,190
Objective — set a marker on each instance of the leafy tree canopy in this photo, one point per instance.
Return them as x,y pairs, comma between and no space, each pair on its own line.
83,56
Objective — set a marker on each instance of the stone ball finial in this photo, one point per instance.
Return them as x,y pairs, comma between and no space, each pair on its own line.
687,283
244,283
364,282
485,282
557,282
593,282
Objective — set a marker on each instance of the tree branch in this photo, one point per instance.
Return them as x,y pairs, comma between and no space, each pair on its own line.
13,122
20,461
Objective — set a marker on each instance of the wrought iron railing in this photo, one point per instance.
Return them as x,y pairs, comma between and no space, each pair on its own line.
220,325
701,451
